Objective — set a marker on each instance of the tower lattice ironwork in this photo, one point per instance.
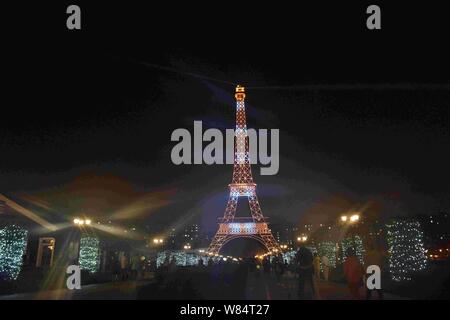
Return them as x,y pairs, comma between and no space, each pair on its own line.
242,185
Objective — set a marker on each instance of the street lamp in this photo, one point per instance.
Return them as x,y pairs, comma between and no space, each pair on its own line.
187,246
353,218
80,222
302,239
158,241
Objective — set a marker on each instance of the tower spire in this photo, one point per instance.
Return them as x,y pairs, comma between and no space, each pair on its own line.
240,93
242,172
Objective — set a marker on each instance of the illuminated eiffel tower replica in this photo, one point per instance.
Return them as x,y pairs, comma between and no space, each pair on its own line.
242,185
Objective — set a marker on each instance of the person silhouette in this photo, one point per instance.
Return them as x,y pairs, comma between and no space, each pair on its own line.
305,269
354,273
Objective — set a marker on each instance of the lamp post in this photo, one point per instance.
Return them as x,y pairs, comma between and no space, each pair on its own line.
350,219
348,227
302,239
81,222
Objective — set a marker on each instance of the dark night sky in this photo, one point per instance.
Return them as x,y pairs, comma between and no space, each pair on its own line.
86,119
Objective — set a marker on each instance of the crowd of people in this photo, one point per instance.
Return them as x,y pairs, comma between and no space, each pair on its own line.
311,268
307,268
132,267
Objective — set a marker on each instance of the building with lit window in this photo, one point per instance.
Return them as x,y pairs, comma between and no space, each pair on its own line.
45,240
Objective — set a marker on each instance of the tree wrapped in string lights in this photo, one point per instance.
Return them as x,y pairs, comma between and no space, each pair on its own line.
406,249
356,243
13,243
89,254
328,249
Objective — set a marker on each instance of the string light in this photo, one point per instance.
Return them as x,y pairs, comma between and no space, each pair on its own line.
406,249
89,254
13,242
356,243
328,249
189,258
289,256
242,185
